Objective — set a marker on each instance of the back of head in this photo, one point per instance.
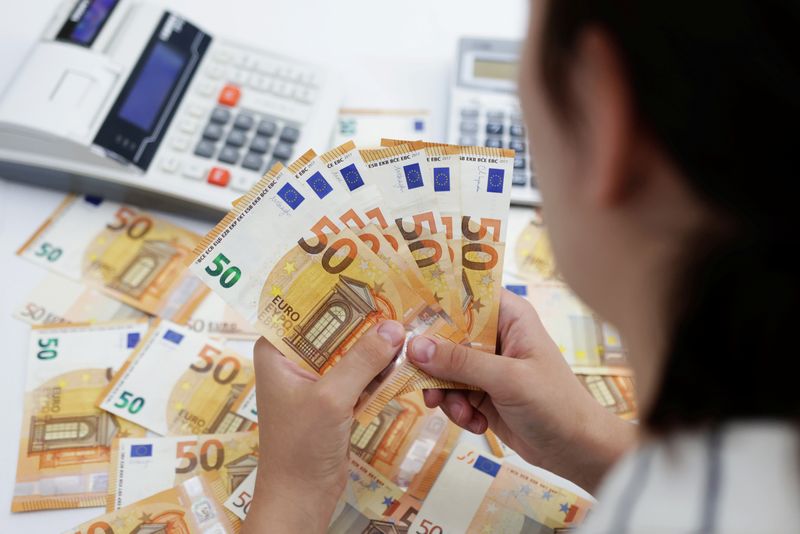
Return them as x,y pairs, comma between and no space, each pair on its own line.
717,84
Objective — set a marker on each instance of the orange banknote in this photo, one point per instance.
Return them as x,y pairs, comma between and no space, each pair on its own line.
357,206
179,382
66,440
477,493
400,174
192,507
133,256
313,288
141,467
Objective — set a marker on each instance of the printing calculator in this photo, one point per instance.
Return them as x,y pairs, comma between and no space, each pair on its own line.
485,111
128,100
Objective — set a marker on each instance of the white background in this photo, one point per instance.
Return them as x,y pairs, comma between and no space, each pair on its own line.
391,55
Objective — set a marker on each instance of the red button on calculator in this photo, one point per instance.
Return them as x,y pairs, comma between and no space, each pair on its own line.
219,176
229,95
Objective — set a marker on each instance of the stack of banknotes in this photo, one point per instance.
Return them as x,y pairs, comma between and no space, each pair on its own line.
140,392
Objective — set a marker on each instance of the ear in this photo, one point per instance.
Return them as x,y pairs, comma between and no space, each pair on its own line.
604,98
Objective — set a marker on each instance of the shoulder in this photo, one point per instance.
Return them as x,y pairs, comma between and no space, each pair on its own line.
741,478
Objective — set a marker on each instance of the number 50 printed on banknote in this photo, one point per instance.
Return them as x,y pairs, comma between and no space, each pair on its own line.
311,288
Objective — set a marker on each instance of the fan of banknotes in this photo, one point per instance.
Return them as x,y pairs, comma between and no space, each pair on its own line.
140,395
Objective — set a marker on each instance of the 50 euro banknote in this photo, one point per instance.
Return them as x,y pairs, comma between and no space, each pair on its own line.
357,209
192,507
179,382
485,175
585,339
214,317
400,173
131,255
141,467
65,443
476,493
309,286
443,169
363,507
367,214
408,443
58,299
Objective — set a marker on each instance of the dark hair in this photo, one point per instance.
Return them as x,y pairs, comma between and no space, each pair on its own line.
717,84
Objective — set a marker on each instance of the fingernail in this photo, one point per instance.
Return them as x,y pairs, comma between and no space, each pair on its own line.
392,331
422,349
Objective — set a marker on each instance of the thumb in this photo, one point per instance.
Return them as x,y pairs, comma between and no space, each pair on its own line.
370,355
459,363
275,372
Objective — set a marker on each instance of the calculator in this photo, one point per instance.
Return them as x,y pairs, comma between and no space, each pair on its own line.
485,111
125,99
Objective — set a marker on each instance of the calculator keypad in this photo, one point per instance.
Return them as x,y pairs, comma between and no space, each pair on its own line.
498,128
244,139
231,129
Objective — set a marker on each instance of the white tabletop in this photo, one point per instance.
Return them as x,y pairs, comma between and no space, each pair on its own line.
396,57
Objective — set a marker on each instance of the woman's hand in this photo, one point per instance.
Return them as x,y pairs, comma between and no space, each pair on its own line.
304,425
530,398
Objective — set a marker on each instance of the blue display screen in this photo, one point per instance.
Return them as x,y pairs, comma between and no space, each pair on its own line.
91,21
152,87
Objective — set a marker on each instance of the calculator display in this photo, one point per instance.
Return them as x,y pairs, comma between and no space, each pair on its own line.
155,82
86,21
147,102
497,70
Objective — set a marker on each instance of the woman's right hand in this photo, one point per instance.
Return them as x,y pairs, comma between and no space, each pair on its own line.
530,398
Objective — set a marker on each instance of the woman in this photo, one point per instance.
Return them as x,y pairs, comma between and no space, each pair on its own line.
657,133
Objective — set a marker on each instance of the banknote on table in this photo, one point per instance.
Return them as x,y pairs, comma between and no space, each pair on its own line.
131,255
367,126
65,442
585,339
179,382
399,173
239,344
246,406
363,507
408,443
475,493
591,345
613,388
214,317
192,507
368,497
316,288
141,467
58,299
533,255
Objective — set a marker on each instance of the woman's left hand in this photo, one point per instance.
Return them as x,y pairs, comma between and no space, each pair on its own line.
304,425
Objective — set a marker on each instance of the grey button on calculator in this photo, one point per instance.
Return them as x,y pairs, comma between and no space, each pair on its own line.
260,144
229,155
253,161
